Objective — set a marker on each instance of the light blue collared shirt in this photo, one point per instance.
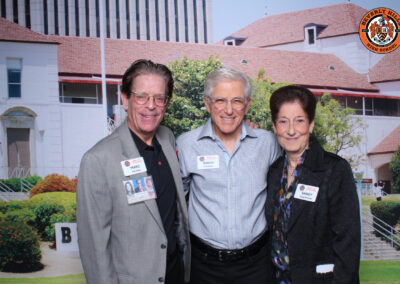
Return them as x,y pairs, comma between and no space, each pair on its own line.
226,203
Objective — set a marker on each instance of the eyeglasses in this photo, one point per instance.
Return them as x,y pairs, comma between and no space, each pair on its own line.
221,103
284,123
143,98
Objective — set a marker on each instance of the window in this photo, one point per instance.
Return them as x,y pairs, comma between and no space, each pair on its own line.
14,66
66,12
46,21
205,21
386,107
310,35
166,21
15,11
229,42
27,14
196,36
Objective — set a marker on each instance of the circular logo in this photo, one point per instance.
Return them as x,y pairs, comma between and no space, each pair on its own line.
302,187
127,164
379,30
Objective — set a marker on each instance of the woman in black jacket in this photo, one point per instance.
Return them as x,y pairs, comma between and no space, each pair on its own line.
312,205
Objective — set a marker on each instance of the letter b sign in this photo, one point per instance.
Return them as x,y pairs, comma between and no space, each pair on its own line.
66,237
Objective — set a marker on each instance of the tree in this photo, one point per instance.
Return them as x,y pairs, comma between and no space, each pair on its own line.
395,167
336,129
259,111
186,110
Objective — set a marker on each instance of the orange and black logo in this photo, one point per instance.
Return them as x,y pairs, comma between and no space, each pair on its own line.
379,30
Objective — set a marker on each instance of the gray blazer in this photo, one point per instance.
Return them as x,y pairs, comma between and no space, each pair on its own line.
118,242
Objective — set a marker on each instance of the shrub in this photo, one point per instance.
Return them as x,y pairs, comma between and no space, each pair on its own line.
66,199
16,205
395,168
33,179
388,211
15,183
43,213
69,216
19,248
3,207
53,183
20,215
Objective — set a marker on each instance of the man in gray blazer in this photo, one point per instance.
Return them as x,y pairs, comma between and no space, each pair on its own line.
143,237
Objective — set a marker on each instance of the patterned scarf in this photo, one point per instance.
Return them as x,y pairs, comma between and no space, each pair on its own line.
280,253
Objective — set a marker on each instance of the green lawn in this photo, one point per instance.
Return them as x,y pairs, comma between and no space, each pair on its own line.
69,279
368,199
371,272
380,272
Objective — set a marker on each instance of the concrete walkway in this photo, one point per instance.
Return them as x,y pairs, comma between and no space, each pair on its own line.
55,264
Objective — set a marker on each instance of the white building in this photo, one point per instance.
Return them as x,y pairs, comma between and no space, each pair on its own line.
77,98
334,30
38,134
163,20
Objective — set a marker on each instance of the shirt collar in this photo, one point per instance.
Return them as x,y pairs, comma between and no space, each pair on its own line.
207,131
143,146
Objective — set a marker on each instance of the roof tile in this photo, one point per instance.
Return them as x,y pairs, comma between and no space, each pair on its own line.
389,144
82,56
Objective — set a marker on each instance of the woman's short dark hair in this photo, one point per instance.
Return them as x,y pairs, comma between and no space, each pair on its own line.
293,93
142,67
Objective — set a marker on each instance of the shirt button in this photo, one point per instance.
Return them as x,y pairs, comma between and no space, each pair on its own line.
163,246
161,279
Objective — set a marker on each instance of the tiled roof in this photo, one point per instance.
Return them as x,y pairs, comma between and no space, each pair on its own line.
82,56
289,27
387,69
389,144
10,31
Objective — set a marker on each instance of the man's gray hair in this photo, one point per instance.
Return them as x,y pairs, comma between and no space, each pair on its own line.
223,74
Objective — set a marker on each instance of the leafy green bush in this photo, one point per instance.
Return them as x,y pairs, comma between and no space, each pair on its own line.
388,211
19,248
15,183
33,179
3,206
20,215
69,216
43,213
395,167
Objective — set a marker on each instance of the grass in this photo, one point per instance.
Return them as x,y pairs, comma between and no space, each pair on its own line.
69,279
371,272
380,272
368,199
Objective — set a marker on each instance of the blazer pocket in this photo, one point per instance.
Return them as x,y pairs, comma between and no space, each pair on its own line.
125,279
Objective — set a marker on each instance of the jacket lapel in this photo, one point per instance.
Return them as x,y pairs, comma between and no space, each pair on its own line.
312,174
130,151
308,177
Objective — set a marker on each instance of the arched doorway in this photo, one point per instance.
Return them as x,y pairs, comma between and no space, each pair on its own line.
384,176
18,127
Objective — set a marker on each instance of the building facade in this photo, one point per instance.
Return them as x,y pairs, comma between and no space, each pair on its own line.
160,20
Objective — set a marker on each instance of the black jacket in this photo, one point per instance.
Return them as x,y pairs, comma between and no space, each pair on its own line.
326,231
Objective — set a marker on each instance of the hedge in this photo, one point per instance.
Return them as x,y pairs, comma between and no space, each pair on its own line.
15,183
388,211
54,183
41,212
19,248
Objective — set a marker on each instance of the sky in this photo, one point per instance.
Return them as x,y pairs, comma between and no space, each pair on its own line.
229,16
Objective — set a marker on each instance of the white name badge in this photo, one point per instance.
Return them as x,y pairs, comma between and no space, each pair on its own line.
140,189
306,192
207,162
324,268
133,166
